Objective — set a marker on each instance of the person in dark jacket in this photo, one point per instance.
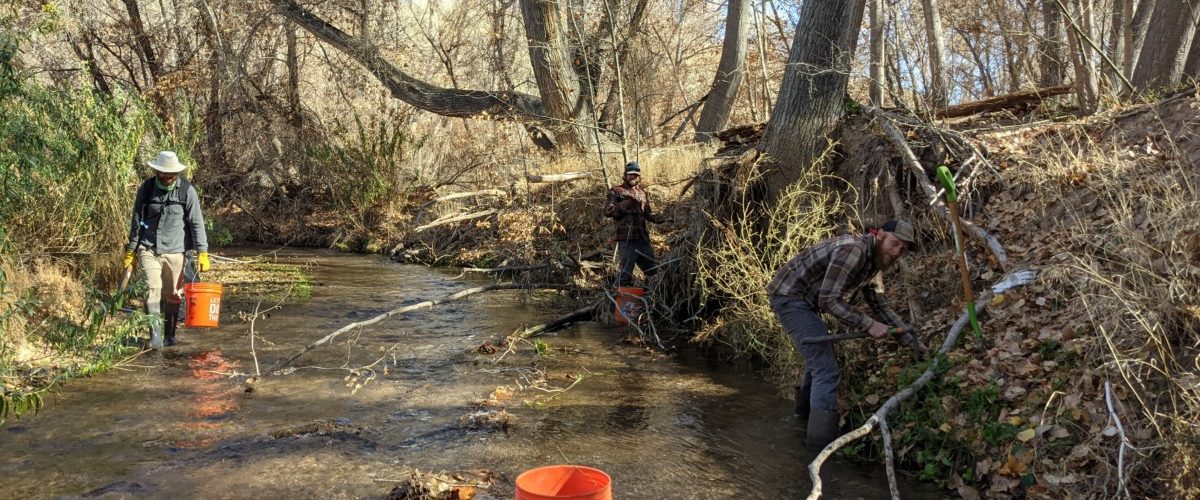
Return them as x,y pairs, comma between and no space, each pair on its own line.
166,222
629,208
823,279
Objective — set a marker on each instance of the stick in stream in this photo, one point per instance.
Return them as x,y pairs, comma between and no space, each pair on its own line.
406,309
582,314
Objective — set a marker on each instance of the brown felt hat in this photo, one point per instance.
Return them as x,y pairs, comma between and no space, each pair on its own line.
903,230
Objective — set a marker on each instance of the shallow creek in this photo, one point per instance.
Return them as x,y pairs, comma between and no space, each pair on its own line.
174,425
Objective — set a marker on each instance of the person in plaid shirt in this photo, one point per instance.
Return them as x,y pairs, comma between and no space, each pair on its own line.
821,279
629,207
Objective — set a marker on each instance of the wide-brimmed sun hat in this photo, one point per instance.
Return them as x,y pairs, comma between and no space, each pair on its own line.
167,162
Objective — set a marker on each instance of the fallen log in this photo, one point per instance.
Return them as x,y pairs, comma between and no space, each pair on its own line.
456,196
453,219
510,269
1002,102
550,178
910,160
582,314
407,309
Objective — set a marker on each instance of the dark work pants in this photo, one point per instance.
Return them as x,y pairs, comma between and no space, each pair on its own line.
635,252
800,320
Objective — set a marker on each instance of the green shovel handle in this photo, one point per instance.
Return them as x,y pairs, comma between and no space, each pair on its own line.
947,180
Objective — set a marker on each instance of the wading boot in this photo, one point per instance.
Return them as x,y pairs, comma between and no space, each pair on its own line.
803,405
170,323
822,429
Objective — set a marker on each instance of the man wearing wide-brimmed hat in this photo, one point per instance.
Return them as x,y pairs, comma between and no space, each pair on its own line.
167,222
823,279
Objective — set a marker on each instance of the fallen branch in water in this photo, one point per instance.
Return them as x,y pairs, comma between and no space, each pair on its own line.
584,313
406,309
880,415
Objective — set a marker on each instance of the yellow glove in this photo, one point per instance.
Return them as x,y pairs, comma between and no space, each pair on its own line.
202,262
128,262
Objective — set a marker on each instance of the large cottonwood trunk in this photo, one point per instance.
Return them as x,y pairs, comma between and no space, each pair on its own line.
1165,50
935,36
811,97
1117,37
1050,50
877,54
1138,26
556,78
730,71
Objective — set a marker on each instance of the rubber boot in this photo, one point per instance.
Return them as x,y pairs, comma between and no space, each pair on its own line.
170,323
822,429
156,332
803,405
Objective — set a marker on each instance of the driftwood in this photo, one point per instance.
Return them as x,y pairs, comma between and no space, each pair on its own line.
910,160
1002,102
581,314
406,309
549,178
453,219
456,196
510,269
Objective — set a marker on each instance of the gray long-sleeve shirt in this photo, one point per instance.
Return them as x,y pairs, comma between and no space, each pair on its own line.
163,219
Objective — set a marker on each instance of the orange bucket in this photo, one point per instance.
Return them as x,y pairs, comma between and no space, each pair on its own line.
564,482
629,305
203,308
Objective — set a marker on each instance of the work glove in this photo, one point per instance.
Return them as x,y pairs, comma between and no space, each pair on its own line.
128,261
202,262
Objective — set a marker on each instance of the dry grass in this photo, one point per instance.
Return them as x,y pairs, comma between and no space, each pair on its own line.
668,167
1118,234
735,269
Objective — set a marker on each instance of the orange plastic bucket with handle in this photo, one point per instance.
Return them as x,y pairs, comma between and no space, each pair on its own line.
564,482
203,305
629,305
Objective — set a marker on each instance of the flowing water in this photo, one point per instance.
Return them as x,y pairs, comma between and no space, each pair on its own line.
175,425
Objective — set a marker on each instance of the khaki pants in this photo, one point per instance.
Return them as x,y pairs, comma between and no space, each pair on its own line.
164,280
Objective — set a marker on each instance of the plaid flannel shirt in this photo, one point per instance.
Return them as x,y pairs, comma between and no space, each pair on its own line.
830,271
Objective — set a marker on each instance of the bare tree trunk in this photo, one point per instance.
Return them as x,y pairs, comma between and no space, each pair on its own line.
612,103
1165,50
86,52
1139,26
214,150
143,40
557,81
1086,86
810,101
295,114
1051,50
877,55
1192,67
938,82
730,70
1116,40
